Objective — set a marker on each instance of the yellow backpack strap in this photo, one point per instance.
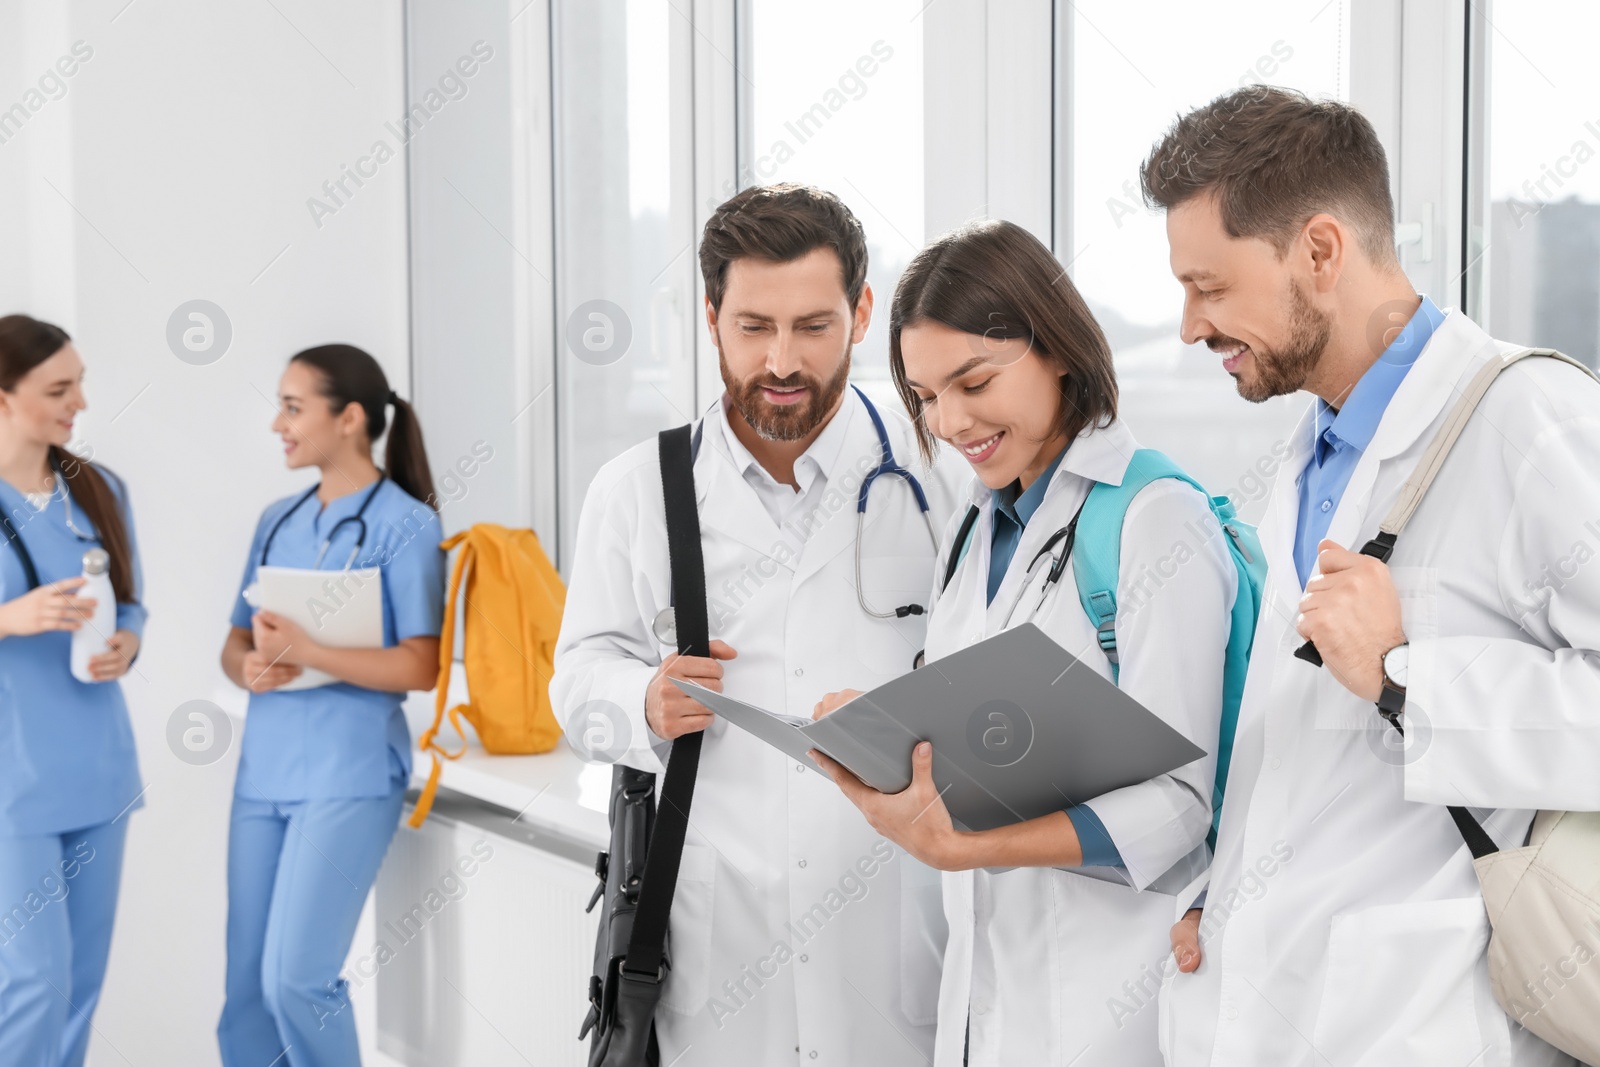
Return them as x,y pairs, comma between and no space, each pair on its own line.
447,655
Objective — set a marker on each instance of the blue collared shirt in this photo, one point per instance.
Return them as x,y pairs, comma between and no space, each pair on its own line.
1012,510
1343,434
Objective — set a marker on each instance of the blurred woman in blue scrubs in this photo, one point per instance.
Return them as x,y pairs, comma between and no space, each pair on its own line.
323,770
68,771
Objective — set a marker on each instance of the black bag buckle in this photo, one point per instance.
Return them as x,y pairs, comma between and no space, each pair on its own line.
643,976
590,1020
602,863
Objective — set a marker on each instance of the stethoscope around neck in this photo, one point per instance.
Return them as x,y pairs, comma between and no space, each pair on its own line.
1066,537
30,571
664,624
887,464
357,518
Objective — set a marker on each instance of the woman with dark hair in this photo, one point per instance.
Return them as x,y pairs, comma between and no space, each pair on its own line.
68,770
1058,924
323,768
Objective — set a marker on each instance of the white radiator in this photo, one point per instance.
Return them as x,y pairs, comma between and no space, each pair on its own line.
486,968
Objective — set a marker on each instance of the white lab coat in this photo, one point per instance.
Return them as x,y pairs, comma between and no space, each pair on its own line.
1344,923
796,932
1056,967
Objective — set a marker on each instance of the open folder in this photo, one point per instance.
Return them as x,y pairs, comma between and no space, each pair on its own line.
1019,726
340,609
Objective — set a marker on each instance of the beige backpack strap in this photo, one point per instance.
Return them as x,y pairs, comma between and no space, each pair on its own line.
1416,486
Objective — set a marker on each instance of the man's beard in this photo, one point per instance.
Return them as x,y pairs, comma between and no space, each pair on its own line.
1285,370
787,422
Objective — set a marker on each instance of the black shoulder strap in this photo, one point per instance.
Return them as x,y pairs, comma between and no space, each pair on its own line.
955,548
29,571
646,947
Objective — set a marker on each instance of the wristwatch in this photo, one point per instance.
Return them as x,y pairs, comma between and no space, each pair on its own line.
1392,701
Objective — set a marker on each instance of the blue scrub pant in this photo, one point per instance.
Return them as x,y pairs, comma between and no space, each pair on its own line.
58,897
298,875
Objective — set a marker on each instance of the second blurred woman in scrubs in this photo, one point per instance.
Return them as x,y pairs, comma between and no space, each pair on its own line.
323,770
1058,925
68,771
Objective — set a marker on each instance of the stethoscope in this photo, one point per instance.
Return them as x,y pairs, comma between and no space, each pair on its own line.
887,465
360,522
1058,565
664,625
30,572
66,501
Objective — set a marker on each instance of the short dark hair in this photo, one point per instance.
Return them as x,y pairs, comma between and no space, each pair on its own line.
781,223
1273,158
994,279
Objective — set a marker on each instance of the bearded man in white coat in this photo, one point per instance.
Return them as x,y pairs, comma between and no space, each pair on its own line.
796,933
1343,923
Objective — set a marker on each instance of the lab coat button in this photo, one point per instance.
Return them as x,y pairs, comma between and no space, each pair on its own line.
1232,1012
798,672
804,959
799,768
802,863
1276,763
813,1053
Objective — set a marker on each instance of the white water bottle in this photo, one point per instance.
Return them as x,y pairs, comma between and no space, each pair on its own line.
93,637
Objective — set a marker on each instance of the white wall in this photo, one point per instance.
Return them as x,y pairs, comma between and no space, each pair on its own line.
188,145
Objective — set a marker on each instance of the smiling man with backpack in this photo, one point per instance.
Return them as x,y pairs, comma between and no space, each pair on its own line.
1446,692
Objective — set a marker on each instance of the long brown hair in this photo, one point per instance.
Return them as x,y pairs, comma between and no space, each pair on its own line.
994,279
25,342
349,375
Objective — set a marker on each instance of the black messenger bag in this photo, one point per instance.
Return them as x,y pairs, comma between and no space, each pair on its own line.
639,874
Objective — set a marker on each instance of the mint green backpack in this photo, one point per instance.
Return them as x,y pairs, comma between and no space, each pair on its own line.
1097,554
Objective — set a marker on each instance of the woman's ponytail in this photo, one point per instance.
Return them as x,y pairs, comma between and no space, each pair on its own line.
351,376
404,457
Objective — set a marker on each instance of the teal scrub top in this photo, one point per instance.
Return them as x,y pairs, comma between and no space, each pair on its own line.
67,758
341,740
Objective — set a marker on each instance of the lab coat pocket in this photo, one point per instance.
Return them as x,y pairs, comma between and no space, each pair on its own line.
1419,600
1402,987
885,647
688,983
923,932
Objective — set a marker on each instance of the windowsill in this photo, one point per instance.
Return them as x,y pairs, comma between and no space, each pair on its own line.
554,789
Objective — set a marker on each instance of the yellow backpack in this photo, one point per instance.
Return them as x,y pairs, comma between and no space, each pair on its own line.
514,599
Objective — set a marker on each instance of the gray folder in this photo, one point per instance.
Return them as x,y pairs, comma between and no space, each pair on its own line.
1020,728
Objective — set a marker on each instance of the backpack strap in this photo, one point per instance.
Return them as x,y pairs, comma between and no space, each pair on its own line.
441,689
1439,448
1478,841
1097,556
1382,545
646,947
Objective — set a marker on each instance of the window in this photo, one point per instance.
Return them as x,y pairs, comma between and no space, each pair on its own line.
1127,84
625,235
833,94
1543,136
